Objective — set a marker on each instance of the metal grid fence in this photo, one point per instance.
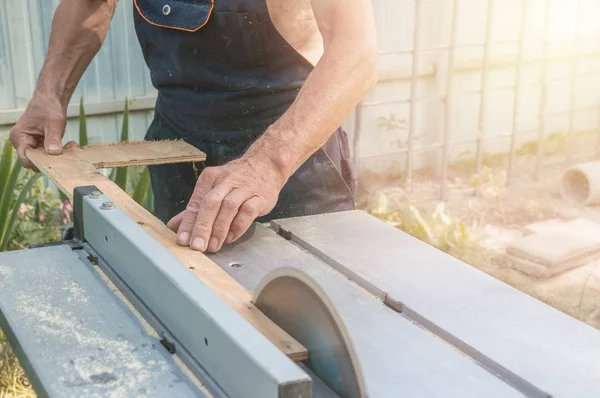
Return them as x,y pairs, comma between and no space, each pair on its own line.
480,138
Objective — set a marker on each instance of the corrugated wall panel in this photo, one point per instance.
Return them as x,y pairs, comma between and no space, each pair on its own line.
116,73
7,91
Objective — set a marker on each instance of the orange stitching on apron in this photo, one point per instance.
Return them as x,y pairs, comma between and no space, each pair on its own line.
173,27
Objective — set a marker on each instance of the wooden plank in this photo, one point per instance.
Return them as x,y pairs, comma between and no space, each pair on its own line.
532,345
136,153
68,171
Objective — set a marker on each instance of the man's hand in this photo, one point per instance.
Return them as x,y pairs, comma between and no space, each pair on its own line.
44,123
225,203
78,30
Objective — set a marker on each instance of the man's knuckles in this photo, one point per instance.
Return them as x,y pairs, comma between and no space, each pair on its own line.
56,119
208,174
249,209
201,228
238,225
213,199
230,205
193,206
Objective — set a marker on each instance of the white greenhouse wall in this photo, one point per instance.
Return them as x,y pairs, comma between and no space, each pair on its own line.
573,45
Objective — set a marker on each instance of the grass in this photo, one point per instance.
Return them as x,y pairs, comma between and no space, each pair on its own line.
13,382
439,229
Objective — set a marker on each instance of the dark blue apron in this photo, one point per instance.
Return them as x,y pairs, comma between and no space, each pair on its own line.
224,74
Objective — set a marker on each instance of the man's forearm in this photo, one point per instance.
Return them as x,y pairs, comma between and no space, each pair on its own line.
328,96
345,72
78,30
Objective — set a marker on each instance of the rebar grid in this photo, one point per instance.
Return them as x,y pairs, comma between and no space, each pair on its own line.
485,65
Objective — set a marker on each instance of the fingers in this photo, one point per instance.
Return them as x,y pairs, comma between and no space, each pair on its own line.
218,213
53,132
71,144
22,142
209,210
25,143
186,226
229,209
246,215
175,222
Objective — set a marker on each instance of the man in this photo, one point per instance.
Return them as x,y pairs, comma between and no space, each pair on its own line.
261,86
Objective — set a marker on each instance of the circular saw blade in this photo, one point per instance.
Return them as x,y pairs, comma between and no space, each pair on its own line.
299,306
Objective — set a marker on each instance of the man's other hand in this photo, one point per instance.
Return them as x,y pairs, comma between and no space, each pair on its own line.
43,123
226,201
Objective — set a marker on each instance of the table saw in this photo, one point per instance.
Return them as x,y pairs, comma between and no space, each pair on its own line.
109,312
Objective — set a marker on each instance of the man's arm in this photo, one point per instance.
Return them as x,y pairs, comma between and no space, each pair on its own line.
229,198
345,72
78,30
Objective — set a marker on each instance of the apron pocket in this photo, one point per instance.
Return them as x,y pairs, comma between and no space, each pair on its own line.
186,15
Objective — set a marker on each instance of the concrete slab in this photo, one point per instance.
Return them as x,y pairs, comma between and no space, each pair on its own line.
579,227
555,246
555,249
544,226
497,239
540,270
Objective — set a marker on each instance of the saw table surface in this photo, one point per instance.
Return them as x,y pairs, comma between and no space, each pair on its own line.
535,347
394,353
79,338
448,330
422,323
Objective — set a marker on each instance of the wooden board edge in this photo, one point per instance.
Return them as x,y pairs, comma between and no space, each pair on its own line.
237,296
148,162
182,153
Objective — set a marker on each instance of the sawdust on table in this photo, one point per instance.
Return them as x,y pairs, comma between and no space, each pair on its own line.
85,372
89,370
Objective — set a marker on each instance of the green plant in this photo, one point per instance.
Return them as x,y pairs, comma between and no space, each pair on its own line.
83,136
438,229
392,125
40,218
490,185
142,189
553,144
120,177
12,193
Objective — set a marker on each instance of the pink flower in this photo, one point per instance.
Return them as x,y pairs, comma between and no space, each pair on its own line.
66,208
22,210
41,217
